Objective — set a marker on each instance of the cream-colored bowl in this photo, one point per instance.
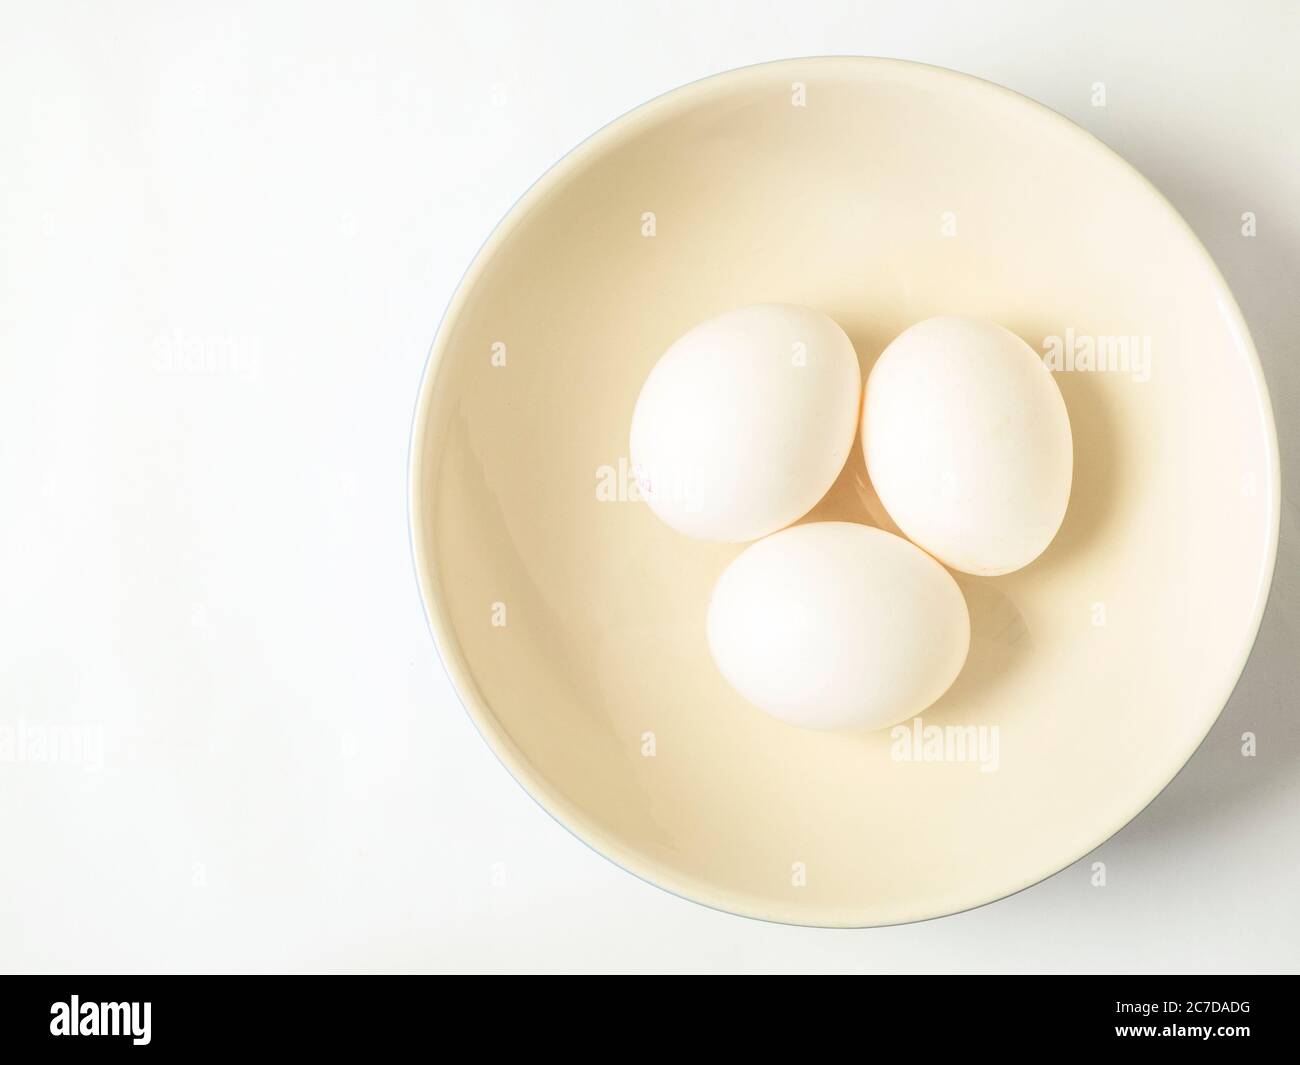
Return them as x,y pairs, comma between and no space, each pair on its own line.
572,621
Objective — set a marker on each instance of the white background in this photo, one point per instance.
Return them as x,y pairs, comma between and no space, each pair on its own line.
227,233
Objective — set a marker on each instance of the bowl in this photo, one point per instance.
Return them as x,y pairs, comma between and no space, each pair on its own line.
571,621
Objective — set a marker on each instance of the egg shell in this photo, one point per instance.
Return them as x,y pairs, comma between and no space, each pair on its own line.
745,422
834,625
967,443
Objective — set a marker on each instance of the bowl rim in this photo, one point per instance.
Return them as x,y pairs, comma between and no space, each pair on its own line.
572,817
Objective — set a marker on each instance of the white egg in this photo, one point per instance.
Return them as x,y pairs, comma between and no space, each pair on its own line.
745,422
834,625
967,443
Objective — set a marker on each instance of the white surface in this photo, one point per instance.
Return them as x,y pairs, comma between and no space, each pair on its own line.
225,241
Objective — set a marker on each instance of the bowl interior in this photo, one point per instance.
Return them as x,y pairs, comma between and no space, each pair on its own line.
572,621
